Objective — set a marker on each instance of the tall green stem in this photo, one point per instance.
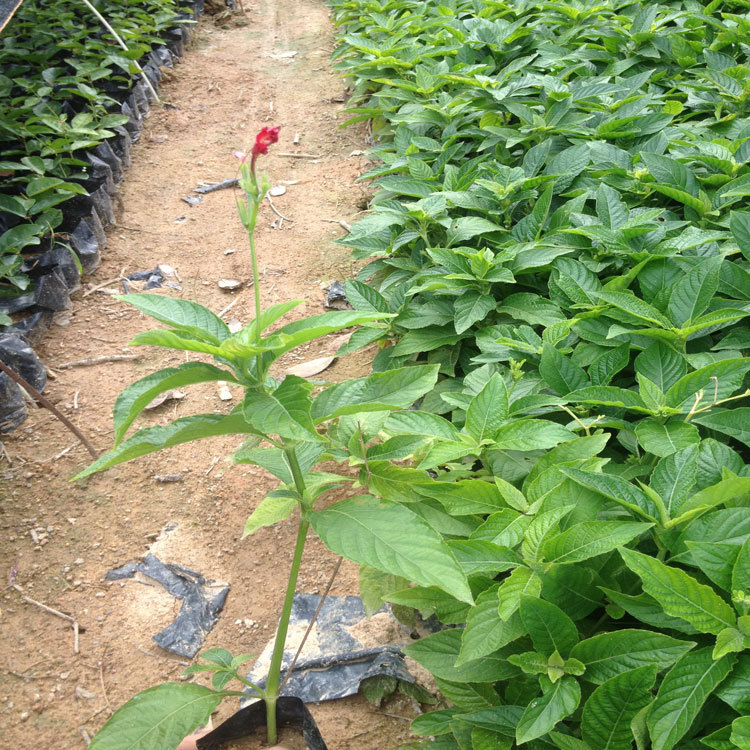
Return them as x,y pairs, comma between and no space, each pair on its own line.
274,671
254,262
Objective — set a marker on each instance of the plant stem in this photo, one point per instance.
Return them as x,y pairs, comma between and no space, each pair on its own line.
274,671
254,262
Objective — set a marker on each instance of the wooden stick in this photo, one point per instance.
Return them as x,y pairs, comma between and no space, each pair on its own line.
98,360
312,622
104,689
55,612
275,210
100,286
228,307
340,222
122,44
299,156
47,404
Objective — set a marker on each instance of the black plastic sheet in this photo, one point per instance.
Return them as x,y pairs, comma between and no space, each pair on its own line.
339,662
202,601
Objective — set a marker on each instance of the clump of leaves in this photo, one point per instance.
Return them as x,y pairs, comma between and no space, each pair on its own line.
560,228
59,69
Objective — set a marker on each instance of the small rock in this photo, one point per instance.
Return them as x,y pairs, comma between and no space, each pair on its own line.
224,393
83,693
229,284
277,190
78,561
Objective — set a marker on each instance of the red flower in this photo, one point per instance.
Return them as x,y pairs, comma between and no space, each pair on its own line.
263,140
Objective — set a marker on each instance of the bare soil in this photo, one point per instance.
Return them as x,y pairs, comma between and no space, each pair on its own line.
62,538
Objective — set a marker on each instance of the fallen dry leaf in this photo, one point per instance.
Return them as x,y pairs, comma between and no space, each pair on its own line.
173,395
312,367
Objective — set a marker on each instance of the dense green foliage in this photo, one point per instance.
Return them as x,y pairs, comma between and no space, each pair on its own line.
560,227
58,71
560,236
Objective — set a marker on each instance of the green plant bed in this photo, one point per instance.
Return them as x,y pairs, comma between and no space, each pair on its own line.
62,83
561,227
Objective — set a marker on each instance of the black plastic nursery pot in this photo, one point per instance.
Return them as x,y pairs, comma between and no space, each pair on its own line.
250,721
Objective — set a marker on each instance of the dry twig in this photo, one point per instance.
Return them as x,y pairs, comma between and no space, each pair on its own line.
298,156
312,622
98,360
55,612
47,404
340,222
276,211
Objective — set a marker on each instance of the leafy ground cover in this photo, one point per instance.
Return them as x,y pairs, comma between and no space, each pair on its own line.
561,228
60,74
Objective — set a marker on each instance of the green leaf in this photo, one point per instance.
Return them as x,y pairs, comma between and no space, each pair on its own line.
692,294
381,391
285,412
682,693
671,172
138,395
182,341
674,476
268,316
716,560
629,303
161,716
470,696
717,381
420,423
607,365
665,439
559,371
575,280
438,654
273,508
364,297
609,654
732,422
466,227
551,630
559,701
520,581
680,594
393,539
470,308
607,714
661,364
608,395
591,538
741,569
485,632
617,489
735,689
184,430
741,732
646,609
307,329
374,585
713,458
530,434
487,410
722,492
396,483
480,556
739,225
181,314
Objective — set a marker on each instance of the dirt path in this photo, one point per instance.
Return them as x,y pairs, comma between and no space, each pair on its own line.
63,538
